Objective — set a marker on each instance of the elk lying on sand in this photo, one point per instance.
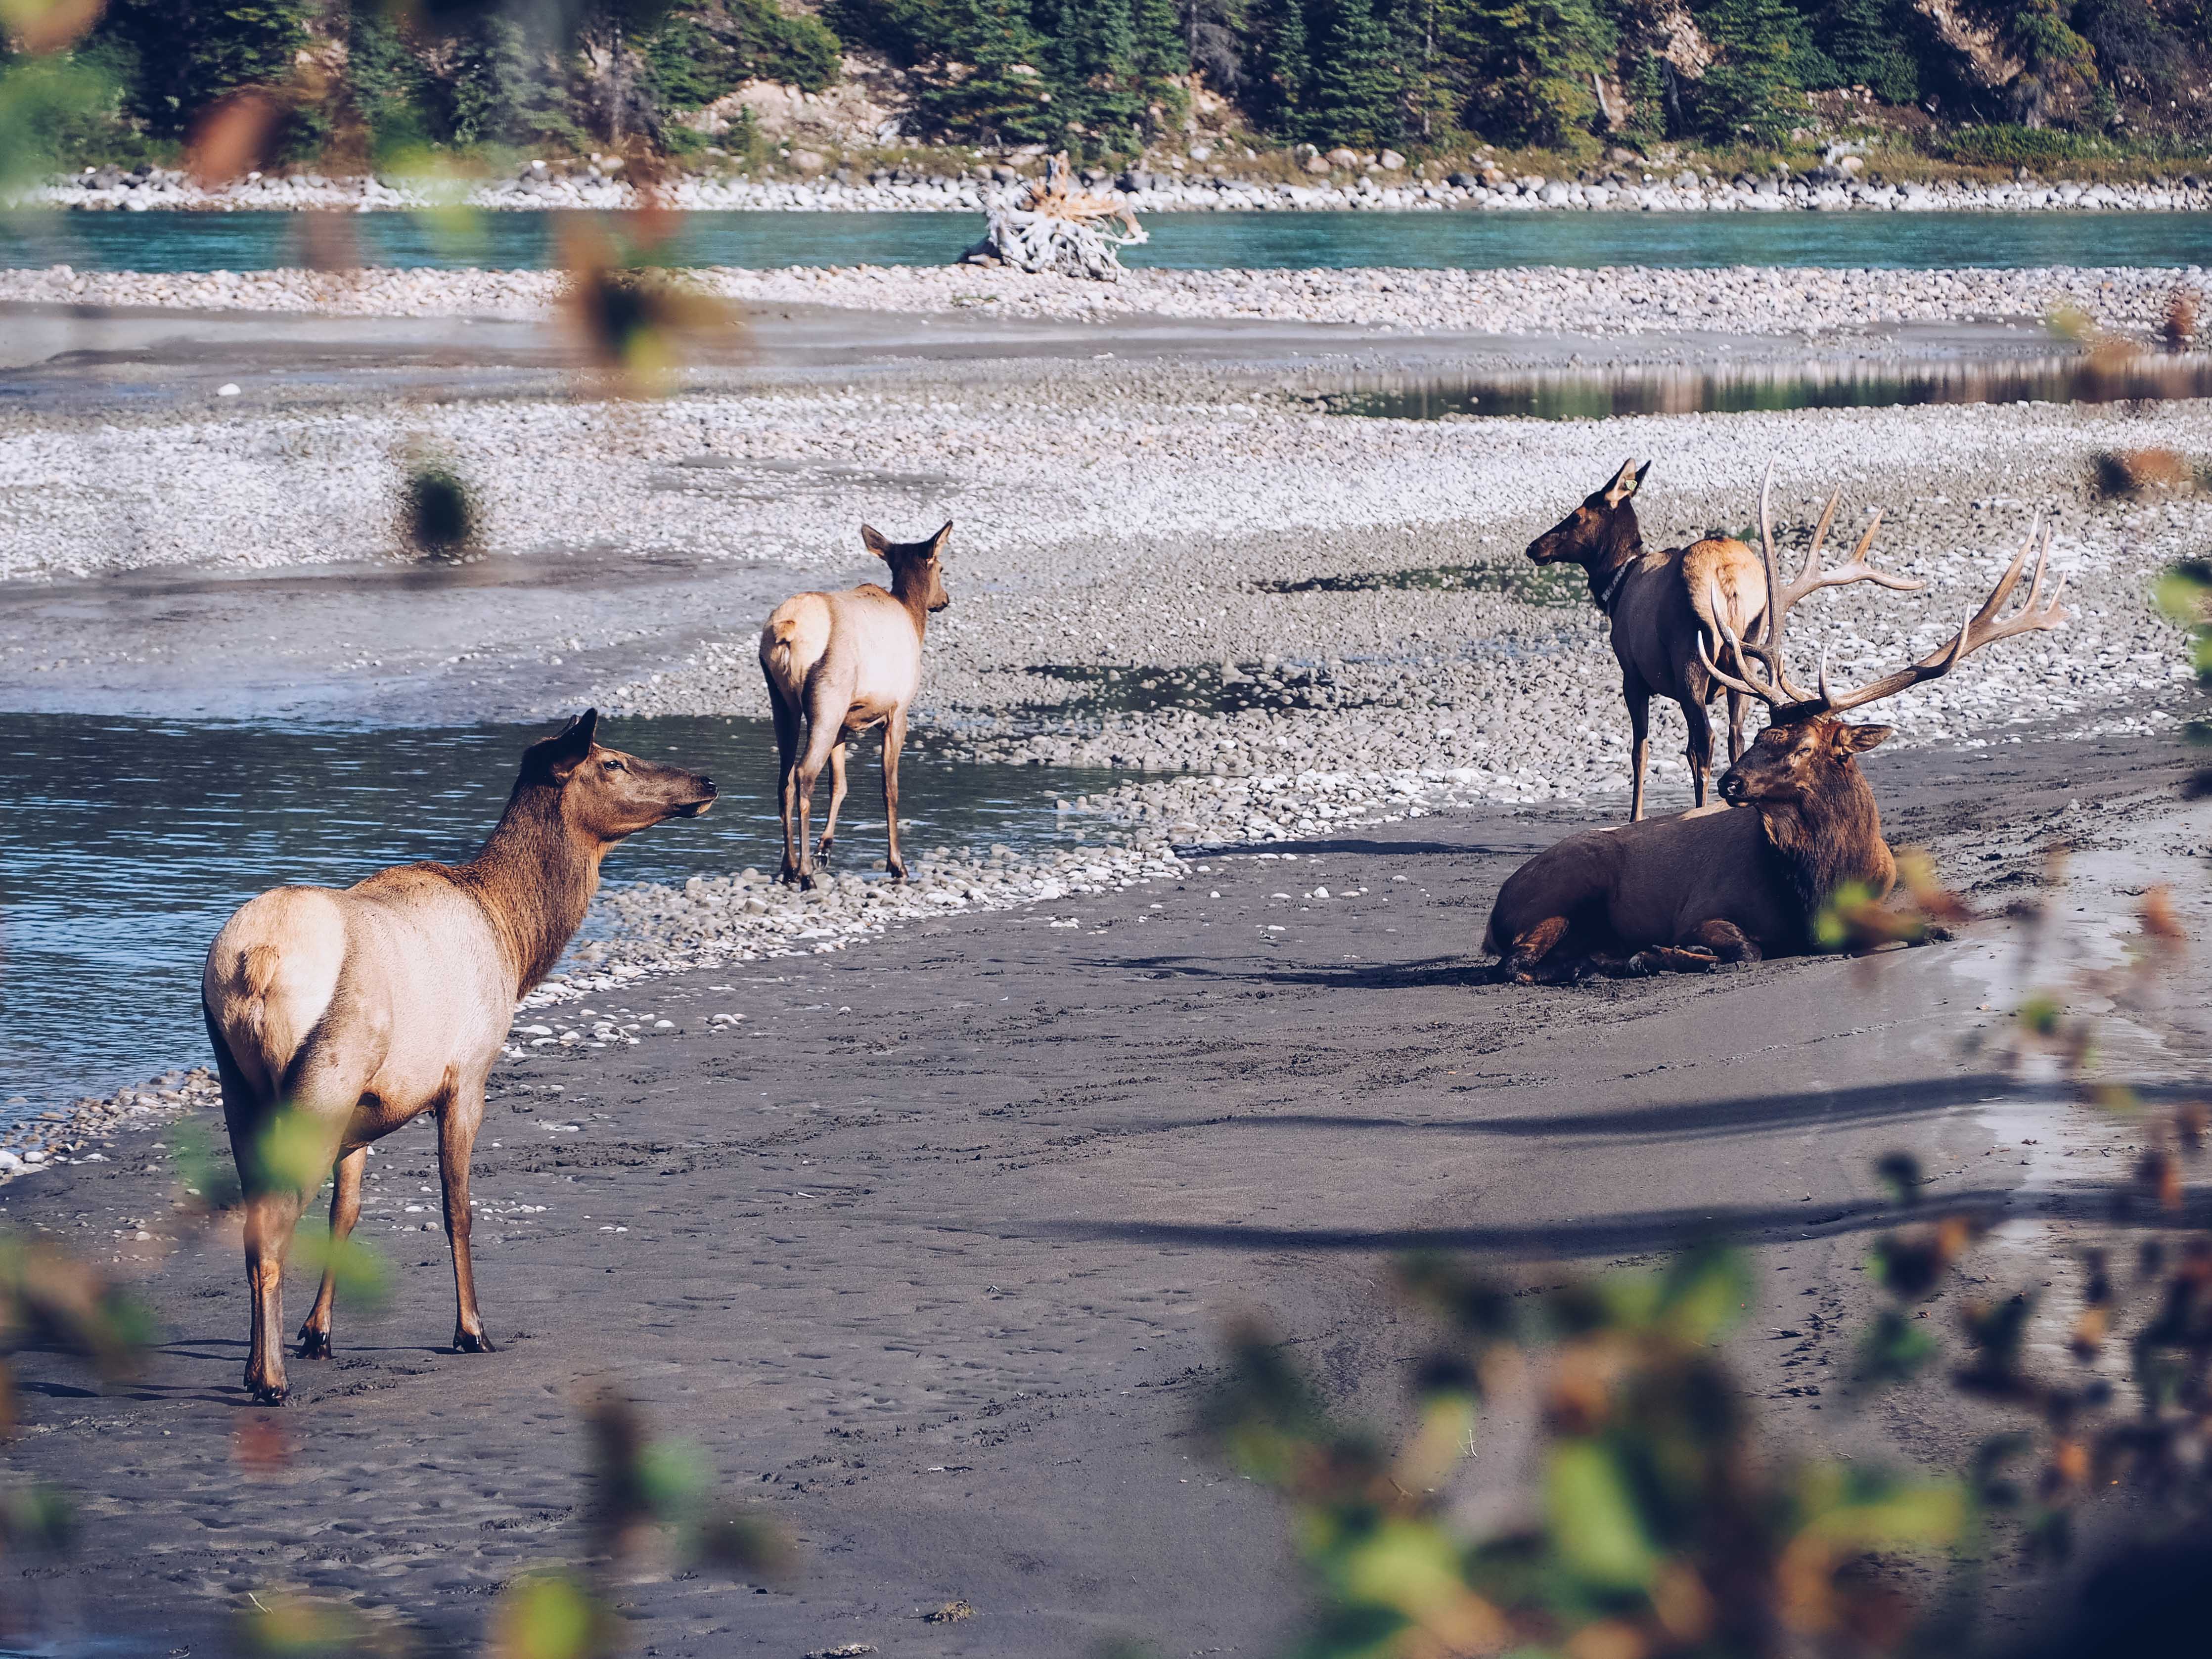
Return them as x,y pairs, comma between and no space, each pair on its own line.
1747,880
837,664
1664,605
338,1016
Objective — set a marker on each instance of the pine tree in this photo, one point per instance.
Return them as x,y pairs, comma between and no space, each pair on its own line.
1356,85
1095,96
1752,91
191,52
1532,61
1275,92
1160,55
1000,93
1866,39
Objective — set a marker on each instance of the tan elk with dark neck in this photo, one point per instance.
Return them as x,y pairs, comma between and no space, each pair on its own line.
837,664
1665,605
1749,879
338,1015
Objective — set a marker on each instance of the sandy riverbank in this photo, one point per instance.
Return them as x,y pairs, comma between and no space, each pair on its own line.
928,1254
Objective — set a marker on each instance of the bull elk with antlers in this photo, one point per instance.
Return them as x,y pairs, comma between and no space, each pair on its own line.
1670,608
1749,879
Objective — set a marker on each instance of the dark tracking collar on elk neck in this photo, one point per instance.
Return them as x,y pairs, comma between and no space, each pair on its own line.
1604,590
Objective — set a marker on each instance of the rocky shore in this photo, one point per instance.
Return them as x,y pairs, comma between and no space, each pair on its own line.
1609,302
539,187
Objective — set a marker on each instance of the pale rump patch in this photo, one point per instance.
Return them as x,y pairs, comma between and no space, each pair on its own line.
797,635
271,976
1726,584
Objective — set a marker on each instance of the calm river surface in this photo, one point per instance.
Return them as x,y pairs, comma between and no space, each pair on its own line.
126,842
165,241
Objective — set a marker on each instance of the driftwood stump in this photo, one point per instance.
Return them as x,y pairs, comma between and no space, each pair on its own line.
1049,225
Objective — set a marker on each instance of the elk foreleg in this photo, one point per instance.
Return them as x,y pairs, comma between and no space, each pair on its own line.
456,1142
836,801
894,740
345,1210
1736,704
1639,728
1727,941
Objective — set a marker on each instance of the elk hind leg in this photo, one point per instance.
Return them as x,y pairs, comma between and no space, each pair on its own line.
272,1146
1736,704
345,1210
788,734
836,801
1529,949
825,730
1698,751
1639,727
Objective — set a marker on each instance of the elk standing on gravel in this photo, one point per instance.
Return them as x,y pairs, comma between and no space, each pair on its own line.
837,664
1665,607
1747,880
338,1016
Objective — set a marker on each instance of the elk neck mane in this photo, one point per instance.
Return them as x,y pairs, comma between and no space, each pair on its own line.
1623,545
910,588
1823,843
534,877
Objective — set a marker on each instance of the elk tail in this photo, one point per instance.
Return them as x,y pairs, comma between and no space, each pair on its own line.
778,647
1711,607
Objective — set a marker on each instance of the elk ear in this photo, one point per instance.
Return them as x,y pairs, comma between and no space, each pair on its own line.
1857,739
574,743
937,542
872,539
555,757
1624,483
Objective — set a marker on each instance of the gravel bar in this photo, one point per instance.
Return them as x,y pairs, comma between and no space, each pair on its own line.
1610,301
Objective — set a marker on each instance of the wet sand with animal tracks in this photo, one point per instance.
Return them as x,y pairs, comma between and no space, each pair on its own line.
930,1255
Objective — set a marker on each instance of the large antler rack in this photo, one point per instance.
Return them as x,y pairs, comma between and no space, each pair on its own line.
1985,627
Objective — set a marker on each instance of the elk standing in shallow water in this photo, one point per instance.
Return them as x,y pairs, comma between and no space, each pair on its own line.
1664,605
1737,882
837,664
338,1016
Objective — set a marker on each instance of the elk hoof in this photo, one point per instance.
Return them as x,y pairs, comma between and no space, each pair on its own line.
822,852
314,1343
473,1342
268,1394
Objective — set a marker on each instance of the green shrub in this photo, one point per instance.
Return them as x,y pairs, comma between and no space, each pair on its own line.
2012,146
709,47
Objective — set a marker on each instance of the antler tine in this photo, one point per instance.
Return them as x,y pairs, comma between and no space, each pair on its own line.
1819,539
1746,684
1812,578
1976,630
1774,607
2010,580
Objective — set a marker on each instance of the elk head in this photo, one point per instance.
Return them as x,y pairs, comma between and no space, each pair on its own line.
915,572
1602,532
1796,762
605,795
